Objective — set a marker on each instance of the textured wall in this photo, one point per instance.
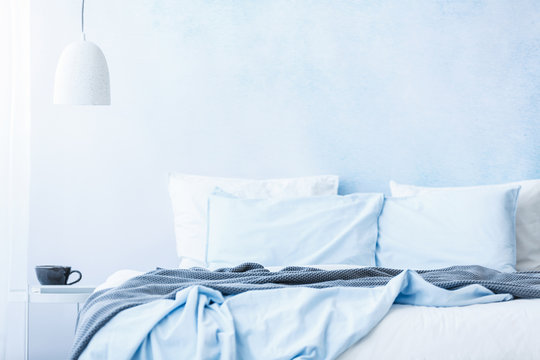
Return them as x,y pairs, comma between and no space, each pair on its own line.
429,92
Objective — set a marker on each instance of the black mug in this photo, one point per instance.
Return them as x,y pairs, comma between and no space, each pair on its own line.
55,275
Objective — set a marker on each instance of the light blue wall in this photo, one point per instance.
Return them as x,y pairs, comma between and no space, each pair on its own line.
427,92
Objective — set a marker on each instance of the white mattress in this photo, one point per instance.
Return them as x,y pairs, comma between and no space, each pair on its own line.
508,330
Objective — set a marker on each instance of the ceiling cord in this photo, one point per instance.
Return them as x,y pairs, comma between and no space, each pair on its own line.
82,20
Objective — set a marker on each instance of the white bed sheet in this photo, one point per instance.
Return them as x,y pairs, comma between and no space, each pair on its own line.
507,330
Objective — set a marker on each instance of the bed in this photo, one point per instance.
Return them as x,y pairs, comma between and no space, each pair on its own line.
286,268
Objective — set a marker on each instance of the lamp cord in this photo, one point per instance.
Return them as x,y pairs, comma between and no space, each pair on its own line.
82,18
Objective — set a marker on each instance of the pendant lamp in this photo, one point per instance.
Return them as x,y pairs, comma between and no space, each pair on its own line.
82,74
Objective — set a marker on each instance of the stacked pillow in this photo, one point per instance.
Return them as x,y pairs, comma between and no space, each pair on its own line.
302,221
453,227
328,229
189,195
527,217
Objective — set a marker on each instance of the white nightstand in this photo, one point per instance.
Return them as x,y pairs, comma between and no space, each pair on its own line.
53,294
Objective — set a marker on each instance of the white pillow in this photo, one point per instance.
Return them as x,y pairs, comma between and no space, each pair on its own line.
527,219
189,195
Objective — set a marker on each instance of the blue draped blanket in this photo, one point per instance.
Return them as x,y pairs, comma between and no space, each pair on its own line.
248,305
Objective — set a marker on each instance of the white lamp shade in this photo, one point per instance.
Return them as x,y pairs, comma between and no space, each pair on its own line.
82,76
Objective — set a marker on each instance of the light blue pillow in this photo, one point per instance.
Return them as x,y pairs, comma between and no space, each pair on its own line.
474,226
299,231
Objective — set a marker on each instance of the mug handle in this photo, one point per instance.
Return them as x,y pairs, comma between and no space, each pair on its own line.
76,281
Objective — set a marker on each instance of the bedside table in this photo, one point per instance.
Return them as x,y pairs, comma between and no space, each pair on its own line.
53,294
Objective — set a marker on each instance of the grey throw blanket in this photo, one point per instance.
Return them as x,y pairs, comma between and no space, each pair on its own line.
165,283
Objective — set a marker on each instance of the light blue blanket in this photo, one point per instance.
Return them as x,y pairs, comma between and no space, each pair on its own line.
285,323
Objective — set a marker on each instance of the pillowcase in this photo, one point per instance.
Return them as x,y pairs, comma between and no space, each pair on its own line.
189,196
527,219
453,227
299,231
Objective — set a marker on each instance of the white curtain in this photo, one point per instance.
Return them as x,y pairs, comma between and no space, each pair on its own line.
5,115
14,154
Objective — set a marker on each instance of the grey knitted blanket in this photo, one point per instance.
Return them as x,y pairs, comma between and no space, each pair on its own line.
165,283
